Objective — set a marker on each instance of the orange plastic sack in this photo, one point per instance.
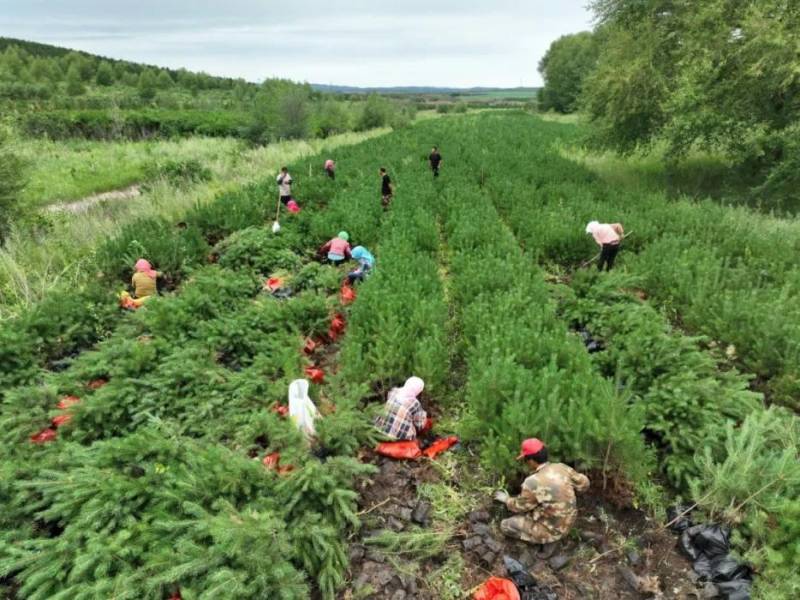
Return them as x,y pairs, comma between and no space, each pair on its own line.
60,420
338,323
309,346
440,446
96,384
408,450
274,283
347,294
497,588
44,436
68,401
280,409
315,374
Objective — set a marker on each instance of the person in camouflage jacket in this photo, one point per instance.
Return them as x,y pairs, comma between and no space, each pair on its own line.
546,507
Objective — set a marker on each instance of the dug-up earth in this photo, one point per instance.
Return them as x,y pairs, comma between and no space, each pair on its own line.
611,553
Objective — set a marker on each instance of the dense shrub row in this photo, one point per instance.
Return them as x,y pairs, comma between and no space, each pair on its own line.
726,273
132,124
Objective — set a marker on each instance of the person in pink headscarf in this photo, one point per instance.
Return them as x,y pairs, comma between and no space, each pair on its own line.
330,168
144,279
403,417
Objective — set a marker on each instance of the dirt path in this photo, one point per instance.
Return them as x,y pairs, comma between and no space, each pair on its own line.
81,206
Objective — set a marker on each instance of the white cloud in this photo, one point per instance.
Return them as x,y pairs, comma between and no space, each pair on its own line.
414,42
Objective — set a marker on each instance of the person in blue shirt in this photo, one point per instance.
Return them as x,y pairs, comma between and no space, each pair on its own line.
366,262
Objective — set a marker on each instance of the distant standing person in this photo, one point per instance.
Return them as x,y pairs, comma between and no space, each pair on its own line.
435,159
285,185
330,168
387,189
608,237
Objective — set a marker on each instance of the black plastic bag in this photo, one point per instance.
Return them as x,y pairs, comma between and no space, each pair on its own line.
725,568
682,523
738,589
528,587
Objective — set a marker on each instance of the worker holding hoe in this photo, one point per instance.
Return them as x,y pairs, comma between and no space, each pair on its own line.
546,507
337,250
143,283
608,237
435,159
403,417
284,185
387,189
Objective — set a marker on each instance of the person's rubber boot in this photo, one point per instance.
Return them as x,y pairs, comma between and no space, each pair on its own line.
545,551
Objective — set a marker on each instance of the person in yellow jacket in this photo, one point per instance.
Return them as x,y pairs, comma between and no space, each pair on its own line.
143,283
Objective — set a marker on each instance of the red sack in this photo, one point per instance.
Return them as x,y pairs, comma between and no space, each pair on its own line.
428,425
440,446
315,374
271,461
273,283
347,294
60,420
496,588
44,436
333,335
399,450
309,346
280,409
96,384
68,401
338,323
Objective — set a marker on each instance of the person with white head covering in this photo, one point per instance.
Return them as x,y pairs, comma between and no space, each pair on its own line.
608,237
302,410
403,417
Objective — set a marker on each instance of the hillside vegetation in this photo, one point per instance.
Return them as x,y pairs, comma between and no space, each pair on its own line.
152,484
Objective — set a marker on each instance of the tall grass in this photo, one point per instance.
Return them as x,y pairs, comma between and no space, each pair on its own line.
32,263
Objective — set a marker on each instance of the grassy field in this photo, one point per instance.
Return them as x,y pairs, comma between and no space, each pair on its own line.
30,266
60,171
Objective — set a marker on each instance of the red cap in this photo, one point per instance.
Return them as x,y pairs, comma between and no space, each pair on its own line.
529,447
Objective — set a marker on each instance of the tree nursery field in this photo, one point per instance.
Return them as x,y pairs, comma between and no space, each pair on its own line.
139,448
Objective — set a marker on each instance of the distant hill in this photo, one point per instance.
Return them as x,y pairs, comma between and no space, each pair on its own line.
424,90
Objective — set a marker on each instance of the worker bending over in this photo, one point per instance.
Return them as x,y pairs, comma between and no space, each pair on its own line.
608,237
366,262
337,249
403,417
546,505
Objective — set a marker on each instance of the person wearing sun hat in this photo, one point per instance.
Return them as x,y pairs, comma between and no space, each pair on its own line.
546,508
337,249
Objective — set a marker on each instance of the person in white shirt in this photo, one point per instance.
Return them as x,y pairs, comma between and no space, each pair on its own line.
285,185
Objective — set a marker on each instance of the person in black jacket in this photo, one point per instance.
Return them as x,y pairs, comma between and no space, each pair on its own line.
435,160
387,189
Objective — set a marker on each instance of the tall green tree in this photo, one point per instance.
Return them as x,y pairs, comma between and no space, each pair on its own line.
12,181
564,68
147,84
74,81
717,74
164,81
105,74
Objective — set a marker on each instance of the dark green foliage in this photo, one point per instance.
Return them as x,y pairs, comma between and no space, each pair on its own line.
565,66
12,180
171,250
179,172
259,249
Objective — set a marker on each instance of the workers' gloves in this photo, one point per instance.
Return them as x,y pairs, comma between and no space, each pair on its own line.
501,496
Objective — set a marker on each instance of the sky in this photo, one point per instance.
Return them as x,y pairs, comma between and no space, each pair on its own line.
451,43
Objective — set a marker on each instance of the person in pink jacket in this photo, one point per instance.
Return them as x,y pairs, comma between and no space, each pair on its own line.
337,249
608,237
330,168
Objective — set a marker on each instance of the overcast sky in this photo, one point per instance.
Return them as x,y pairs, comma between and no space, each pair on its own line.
361,42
